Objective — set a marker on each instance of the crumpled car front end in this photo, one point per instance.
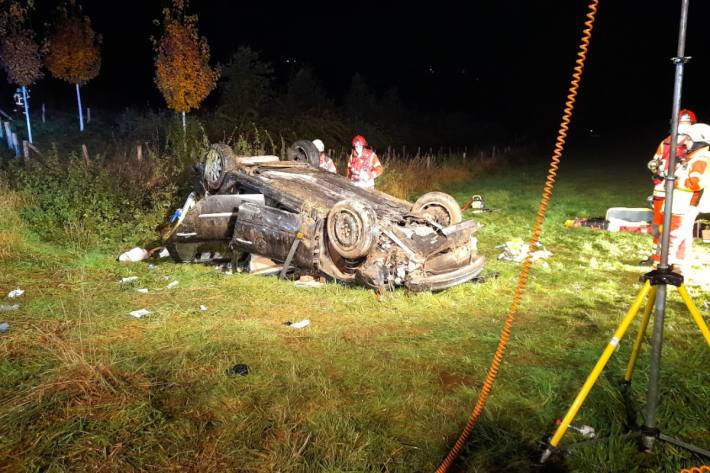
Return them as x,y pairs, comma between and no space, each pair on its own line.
422,257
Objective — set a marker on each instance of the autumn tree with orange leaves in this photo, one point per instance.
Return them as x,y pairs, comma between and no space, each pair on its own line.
20,54
74,50
182,70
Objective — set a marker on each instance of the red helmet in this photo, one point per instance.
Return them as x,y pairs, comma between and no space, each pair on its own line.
687,115
359,139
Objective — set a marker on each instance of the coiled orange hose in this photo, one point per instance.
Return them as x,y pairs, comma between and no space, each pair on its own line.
537,228
697,469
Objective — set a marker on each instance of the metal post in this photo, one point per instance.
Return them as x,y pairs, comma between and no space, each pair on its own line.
661,292
27,113
81,111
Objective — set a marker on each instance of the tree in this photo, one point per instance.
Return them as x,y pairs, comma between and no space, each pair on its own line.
359,101
182,71
20,54
245,88
304,92
74,50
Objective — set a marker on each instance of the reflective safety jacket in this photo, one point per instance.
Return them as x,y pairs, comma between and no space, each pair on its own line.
327,163
364,169
691,180
662,160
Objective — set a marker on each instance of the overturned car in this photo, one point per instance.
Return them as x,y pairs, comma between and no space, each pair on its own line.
293,212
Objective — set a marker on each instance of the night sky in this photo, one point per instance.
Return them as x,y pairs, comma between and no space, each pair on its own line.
507,61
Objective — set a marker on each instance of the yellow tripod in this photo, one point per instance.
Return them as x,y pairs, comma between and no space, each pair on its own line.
655,280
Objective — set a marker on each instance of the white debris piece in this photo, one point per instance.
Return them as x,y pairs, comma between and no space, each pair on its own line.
15,293
301,324
164,253
262,265
134,254
9,308
203,308
516,250
129,279
172,285
142,290
4,327
308,284
140,313
151,266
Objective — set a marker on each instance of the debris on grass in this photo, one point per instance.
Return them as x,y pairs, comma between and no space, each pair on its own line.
516,250
308,282
142,290
263,266
239,369
152,266
302,324
129,279
140,313
9,308
4,327
172,285
15,293
133,255
203,308
164,253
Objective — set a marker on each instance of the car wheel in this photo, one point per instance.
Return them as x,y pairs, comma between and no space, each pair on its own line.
219,159
304,151
442,208
351,228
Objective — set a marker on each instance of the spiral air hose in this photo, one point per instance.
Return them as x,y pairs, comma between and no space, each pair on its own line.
696,469
537,228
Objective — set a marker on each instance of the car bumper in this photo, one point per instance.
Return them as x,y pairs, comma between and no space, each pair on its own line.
438,282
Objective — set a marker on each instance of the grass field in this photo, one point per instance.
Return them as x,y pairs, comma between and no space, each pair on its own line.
372,385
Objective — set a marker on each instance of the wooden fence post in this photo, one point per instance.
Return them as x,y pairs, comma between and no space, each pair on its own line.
139,152
85,153
26,150
16,145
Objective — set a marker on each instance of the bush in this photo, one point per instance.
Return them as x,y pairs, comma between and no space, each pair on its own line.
93,203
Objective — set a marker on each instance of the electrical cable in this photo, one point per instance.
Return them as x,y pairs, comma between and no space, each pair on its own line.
537,229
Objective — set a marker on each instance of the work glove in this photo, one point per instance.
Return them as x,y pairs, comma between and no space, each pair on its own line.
654,166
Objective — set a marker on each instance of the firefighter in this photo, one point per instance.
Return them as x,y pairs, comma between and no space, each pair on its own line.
325,161
659,168
692,178
364,165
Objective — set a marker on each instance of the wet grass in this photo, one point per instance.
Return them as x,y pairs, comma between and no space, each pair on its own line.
371,385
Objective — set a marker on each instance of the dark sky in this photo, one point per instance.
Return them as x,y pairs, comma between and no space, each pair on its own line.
509,61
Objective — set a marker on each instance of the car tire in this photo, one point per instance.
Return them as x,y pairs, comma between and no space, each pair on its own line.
441,207
351,228
219,160
303,151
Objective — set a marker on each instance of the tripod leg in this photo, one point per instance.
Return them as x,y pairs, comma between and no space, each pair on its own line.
639,338
597,370
694,312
